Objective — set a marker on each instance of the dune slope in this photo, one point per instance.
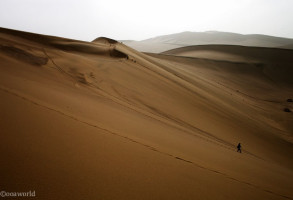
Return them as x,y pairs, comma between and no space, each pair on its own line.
168,42
100,120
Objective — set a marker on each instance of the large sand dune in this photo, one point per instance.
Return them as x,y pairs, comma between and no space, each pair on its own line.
171,41
100,120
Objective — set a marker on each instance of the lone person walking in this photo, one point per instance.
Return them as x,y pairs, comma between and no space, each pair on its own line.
239,148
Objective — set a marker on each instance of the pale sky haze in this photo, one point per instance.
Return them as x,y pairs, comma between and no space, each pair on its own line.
138,20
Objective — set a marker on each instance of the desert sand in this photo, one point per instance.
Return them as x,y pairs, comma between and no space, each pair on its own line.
100,120
168,42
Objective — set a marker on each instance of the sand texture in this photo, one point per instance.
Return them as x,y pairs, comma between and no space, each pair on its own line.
100,120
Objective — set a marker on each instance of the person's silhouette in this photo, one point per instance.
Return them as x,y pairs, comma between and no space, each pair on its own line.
239,148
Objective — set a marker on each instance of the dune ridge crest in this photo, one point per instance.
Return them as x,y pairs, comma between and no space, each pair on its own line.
105,40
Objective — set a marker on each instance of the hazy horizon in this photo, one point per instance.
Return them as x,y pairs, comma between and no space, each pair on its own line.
132,20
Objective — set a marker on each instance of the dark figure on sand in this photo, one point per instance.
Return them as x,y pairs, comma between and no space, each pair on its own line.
239,148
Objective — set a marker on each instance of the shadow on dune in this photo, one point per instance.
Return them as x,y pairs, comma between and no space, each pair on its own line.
23,55
100,46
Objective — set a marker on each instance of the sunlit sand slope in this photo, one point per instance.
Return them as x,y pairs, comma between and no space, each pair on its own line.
100,120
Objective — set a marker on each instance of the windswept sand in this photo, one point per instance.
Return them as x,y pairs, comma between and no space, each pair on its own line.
100,120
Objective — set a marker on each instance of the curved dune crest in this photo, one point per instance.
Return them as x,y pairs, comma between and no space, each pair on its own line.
100,47
89,49
105,40
102,120
259,53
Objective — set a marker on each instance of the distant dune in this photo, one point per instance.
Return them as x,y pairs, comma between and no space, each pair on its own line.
273,62
289,46
168,42
100,120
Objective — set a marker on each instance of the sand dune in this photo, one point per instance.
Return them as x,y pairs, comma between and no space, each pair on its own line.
101,120
288,46
271,62
168,42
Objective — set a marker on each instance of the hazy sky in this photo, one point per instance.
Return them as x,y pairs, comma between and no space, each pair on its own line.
134,19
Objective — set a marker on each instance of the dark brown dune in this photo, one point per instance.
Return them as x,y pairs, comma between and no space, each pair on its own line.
23,55
272,62
258,53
